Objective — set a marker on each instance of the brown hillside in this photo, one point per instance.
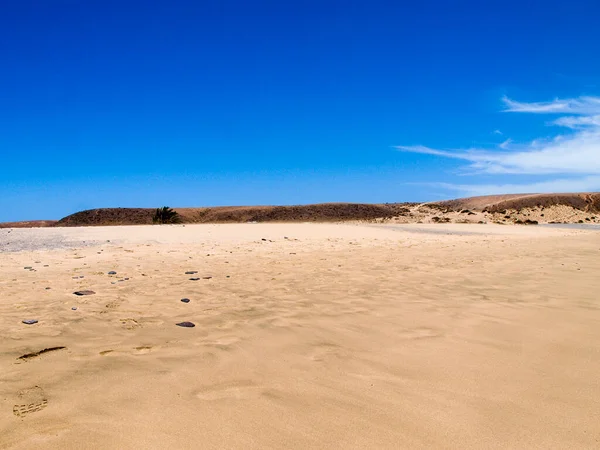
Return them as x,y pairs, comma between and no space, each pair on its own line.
28,224
108,216
589,202
237,214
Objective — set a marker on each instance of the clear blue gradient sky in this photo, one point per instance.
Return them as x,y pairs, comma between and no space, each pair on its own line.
187,103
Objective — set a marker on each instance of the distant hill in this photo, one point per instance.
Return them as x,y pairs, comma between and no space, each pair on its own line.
29,224
588,202
510,208
325,212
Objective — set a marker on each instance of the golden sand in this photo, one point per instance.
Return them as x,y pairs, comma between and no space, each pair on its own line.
306,336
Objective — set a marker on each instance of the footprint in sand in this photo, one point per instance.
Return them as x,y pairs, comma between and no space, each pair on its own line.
130,324
143,350
29,401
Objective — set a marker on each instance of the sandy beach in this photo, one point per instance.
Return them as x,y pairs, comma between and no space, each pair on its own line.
306,336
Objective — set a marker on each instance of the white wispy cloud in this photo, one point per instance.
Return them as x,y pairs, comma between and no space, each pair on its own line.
582,184
580,105
576,152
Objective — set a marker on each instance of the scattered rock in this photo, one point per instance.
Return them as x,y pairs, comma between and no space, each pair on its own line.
185,300
191,272
87,292
28,268
30,322
206,278
112,272
185,324
74,308
194,279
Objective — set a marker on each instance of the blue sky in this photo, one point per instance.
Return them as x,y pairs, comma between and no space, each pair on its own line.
190,103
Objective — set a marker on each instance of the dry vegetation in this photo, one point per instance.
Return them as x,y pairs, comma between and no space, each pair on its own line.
503,209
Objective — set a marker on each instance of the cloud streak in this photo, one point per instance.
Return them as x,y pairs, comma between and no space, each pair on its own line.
583,184
576,152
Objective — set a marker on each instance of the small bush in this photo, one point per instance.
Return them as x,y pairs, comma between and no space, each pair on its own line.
166,215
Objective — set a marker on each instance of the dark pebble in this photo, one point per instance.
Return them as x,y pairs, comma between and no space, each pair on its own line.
28,268
84,292
194,279
112,272
185,324
206,278
30,322
126,279
74,308
185,300
191,272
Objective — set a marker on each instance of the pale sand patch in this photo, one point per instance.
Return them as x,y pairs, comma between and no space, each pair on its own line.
340,336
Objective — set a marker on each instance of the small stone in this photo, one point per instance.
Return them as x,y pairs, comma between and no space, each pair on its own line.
81,276
206,278
126,279
191,272
194,279
30,322
185,300
47,288
185,324
28,268
84,292
74,308
46,265
112,272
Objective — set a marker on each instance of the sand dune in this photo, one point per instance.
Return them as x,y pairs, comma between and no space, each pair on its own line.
510,208
306,336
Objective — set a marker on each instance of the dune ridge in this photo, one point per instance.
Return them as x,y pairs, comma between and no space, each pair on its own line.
508,208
